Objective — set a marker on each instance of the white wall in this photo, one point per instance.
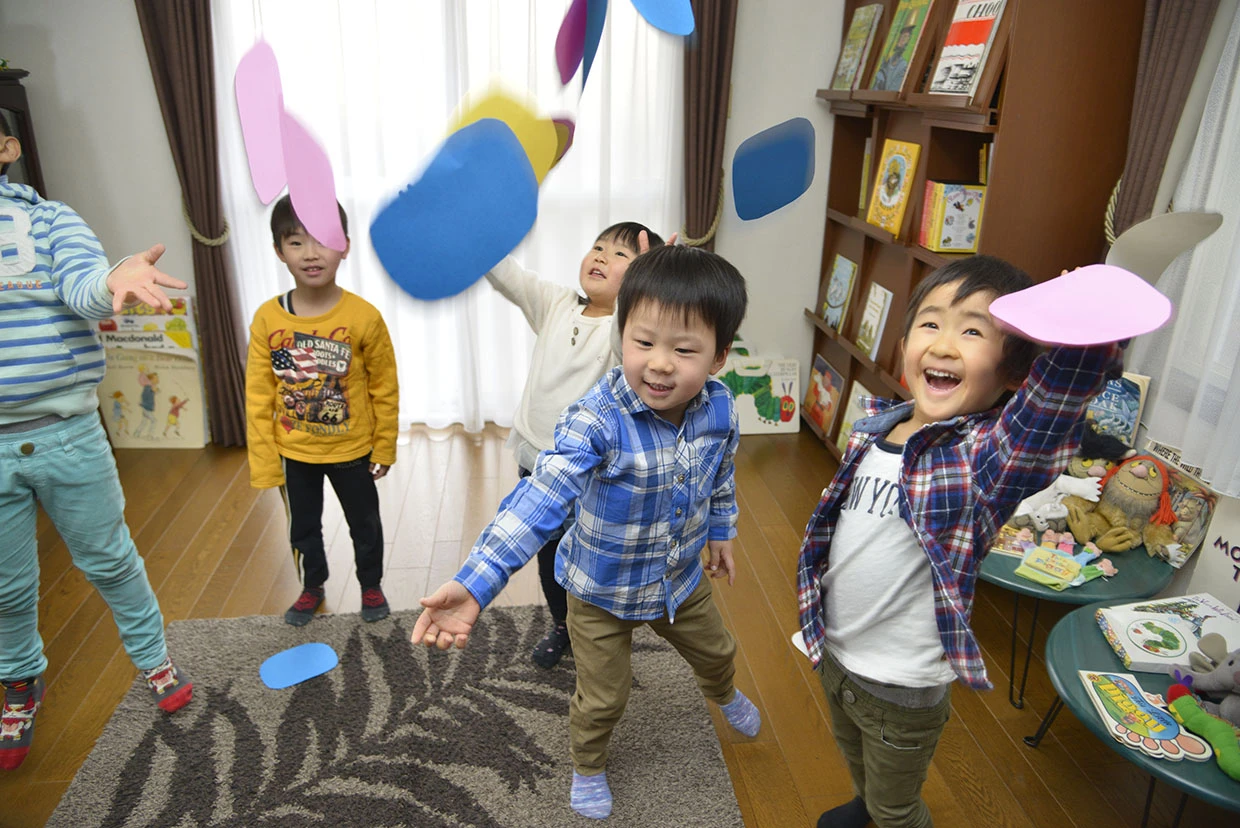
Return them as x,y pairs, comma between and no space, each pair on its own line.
781,57
102,144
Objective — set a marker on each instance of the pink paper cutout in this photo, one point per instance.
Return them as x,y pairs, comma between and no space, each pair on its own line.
570,42
1089,306
311,186
260,103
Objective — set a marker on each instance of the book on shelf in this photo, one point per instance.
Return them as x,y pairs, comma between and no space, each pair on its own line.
1140,720
839,292
951,217
852,412
856,49
966,47
867,158
892,183
1156,634
907,24
983,163
822,398
873,319
1117,409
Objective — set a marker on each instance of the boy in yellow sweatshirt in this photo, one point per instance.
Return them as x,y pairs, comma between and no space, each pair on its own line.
322,401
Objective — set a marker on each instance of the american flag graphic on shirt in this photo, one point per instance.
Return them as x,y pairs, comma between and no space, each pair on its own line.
294,364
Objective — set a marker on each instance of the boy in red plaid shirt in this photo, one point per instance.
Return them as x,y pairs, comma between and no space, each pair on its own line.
890,557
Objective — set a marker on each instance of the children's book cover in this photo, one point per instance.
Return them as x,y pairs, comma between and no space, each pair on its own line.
856,47
852,412
839,292
892,183
766,392
1010,541
1193,503
972,30
1117,409
952,220
153,399
1139,720
822,398
873,320
1156,634
893,61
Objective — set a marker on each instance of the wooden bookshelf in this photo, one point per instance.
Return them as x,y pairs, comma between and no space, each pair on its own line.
1052,108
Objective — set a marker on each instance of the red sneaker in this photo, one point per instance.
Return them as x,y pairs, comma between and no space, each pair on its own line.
304,608
374,604
171,688
22,700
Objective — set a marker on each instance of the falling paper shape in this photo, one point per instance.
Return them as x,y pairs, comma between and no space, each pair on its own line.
1149,247
773,168
259,105
565,128
1089,306
296,664
672,16
596,16
472,205
798,641
570,42
311,186
537,135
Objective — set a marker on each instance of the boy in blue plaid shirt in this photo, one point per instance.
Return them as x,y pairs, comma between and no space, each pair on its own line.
890,557
644,463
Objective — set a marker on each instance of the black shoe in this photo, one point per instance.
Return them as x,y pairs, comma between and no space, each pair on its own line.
374,604
304,608
849,815
548,652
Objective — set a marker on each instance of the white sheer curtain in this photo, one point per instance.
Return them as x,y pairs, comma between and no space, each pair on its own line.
1195,398
376,81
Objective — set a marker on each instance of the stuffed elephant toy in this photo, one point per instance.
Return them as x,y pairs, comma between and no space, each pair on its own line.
1216,675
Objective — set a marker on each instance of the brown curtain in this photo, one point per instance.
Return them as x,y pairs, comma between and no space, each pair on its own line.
178,47
1174,34
708,82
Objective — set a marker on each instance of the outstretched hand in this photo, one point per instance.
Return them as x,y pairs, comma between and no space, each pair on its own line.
138,280
448,618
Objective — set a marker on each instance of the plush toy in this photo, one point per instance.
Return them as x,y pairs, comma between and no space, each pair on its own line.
1134,508
1098,454
1186,710
1221,682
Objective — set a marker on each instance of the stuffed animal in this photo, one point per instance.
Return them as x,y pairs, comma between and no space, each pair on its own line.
1134,508
1098,454
1221,682
1190,713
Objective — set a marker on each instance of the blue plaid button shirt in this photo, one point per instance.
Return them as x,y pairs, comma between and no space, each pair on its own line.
960,480
645,497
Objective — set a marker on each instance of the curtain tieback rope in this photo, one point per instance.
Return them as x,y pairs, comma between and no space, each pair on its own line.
199,237
714,225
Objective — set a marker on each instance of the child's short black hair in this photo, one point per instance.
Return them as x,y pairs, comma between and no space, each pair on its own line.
284,221
695,282
976,274
5,132
627,232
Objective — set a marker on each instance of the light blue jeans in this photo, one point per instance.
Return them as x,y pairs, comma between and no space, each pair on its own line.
68,467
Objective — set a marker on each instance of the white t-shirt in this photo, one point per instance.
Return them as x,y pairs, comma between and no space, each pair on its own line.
878,592
571,352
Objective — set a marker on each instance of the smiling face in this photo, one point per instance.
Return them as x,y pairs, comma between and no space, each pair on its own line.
602,271
952,356
668,358
313,265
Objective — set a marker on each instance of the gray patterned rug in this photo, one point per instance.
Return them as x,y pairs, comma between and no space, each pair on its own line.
394,736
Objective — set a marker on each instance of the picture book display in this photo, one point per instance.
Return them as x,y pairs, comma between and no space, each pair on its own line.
1139,720
822,397
1158,633
852,412
1117,409
867,158
1193,503
951,217
839,292
907,24
892,183
874,319
969,38
766,393
856,49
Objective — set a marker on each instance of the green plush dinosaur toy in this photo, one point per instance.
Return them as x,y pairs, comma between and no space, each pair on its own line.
1186,710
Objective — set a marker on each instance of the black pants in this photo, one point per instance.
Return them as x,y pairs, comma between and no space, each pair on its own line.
351,480
557,597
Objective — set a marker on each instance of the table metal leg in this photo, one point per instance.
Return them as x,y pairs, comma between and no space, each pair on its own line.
1018,701
1149,800
1179,812
1036,739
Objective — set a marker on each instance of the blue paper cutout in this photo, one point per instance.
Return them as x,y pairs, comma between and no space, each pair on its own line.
671,16
773,168
596,16
472,205
296,664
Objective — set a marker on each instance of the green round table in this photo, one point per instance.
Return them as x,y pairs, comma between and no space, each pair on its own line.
1076,643
1140,576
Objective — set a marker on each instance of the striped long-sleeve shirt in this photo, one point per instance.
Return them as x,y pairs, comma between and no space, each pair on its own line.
960,480
53,280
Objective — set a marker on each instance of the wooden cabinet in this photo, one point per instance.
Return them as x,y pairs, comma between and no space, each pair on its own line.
1053,104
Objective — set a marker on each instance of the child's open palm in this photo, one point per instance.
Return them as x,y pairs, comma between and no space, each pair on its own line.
138,280
448,618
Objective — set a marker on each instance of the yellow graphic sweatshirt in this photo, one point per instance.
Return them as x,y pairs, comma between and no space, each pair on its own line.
319,389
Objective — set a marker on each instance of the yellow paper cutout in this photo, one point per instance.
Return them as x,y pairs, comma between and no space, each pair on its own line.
537,135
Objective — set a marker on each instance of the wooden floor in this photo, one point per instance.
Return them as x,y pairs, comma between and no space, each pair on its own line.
214,547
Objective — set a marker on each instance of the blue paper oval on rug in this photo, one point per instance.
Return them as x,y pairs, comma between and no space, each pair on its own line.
394,736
